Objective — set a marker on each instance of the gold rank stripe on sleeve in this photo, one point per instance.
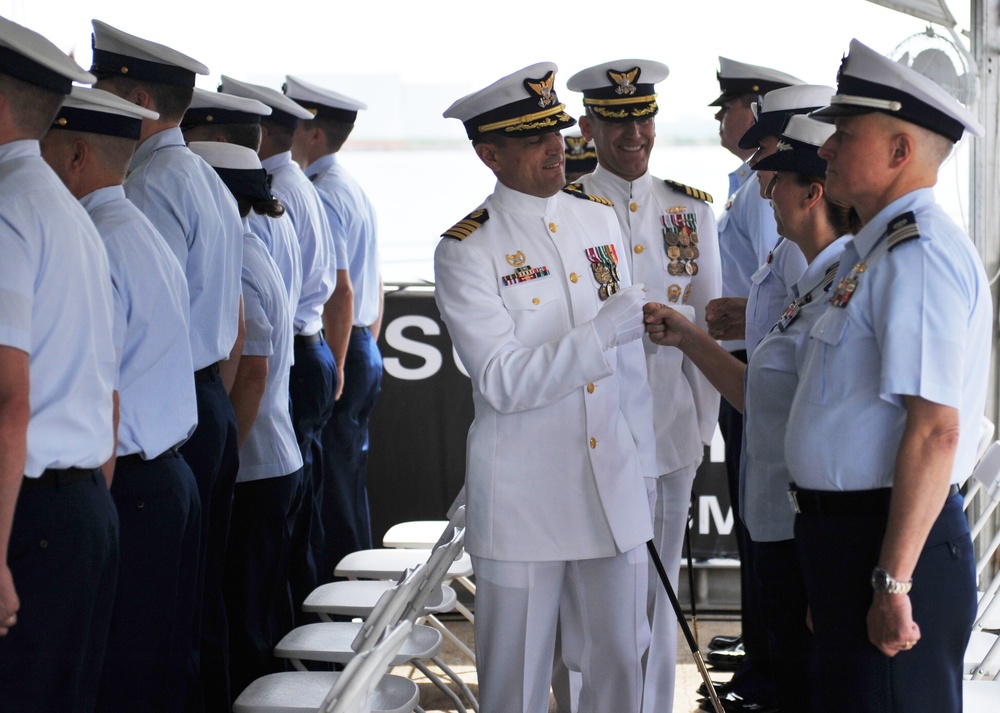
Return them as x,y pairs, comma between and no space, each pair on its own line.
464,228
689,191
576,190
901,229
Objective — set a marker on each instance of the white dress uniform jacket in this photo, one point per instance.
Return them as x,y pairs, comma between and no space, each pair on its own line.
563,432
687,405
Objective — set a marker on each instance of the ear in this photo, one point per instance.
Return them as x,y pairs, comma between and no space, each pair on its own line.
585,127
814,196
488,155
142,98
902,147
79,155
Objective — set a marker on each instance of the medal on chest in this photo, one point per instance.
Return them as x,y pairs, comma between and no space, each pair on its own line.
847,286
522,272
680,241
604,264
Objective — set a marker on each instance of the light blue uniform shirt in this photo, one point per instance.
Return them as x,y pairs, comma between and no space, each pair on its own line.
278,236
352,220
919,323
771,380
270,449
157,404
771,290
747,233
196,214
56,305
319,265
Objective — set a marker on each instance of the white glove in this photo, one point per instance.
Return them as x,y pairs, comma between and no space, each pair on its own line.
619,321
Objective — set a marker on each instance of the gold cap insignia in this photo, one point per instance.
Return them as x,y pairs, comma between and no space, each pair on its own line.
543,89
576,145
624,80
517,259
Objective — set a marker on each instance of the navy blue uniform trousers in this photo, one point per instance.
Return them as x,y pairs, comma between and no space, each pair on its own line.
159,516
346,520
838,554
63,556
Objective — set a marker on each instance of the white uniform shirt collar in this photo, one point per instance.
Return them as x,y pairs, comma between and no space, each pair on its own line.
618,188
99,197
19,149
516,202
321,165
816,271
159,140
869,236
272,163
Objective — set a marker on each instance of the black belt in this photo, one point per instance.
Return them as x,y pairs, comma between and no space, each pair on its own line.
57,477
307,340
208,373
740,354
136,459
844,502
356,329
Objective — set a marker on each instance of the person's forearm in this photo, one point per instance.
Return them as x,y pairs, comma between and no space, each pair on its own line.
722,369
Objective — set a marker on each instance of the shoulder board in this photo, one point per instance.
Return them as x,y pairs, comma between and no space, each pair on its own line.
901,229
576,190
464,228
689,191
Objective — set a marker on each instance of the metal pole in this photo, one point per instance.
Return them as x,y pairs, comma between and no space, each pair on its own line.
692,644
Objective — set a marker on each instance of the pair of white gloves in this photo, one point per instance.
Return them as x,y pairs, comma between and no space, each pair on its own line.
620,320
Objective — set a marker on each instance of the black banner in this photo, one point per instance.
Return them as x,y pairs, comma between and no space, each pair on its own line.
419,427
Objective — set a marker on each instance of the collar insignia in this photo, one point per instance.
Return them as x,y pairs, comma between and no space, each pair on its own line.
542,88
624,80
783,146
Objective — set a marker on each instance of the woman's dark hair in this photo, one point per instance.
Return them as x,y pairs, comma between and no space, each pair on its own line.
844,219
271,208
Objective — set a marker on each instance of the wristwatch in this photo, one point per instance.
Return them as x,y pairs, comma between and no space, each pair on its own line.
884,582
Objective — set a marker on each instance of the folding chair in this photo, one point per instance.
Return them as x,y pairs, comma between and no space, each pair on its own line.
337,641
362,687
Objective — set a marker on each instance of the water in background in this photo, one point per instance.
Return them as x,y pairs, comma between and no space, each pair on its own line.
420,193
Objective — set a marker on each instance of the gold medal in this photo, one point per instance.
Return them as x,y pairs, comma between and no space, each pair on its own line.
687,292
672,238
691,268
673,252
684,239
687,253
675,268
695,252
674,293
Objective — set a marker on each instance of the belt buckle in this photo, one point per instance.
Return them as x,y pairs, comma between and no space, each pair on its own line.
793,499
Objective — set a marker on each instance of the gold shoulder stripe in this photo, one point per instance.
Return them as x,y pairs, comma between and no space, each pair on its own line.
689,191
901,229
576,190
464,228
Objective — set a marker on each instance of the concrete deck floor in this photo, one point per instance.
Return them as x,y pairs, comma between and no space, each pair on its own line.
688,679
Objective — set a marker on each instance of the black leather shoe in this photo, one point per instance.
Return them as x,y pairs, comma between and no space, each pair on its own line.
721,689
724,642
727,659
734,703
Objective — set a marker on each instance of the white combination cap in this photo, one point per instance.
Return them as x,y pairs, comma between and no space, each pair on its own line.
869,82
237,166
739,78
218,108
119,54
519,105
26,55
283,109
323,102
96,111
773,109
622,90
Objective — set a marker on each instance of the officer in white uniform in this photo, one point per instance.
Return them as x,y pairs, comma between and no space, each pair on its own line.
534,289
315,374
58,526
885,422
771,284
256,582
214,116
747,235
346,520
196,215
673,250
159,513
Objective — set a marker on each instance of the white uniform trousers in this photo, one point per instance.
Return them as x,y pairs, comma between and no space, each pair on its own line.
600,605
670,515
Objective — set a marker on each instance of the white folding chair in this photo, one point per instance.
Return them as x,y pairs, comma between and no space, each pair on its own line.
361,687
420,534
337,641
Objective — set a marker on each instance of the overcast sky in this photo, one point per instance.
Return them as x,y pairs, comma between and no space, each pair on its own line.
408,60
